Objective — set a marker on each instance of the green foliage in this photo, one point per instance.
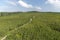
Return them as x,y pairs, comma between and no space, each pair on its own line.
17,26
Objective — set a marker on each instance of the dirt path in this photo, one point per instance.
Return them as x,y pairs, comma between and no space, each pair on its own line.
4,37
15,29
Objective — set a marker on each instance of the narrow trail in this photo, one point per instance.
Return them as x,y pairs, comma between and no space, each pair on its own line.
16,29
4,37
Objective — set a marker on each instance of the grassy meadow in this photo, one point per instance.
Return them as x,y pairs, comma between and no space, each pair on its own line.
30,26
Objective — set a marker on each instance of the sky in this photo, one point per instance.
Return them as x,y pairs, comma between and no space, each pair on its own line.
29,5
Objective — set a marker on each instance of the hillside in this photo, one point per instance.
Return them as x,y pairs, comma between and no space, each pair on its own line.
30,26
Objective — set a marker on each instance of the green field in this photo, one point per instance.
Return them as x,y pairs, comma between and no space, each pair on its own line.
30,26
